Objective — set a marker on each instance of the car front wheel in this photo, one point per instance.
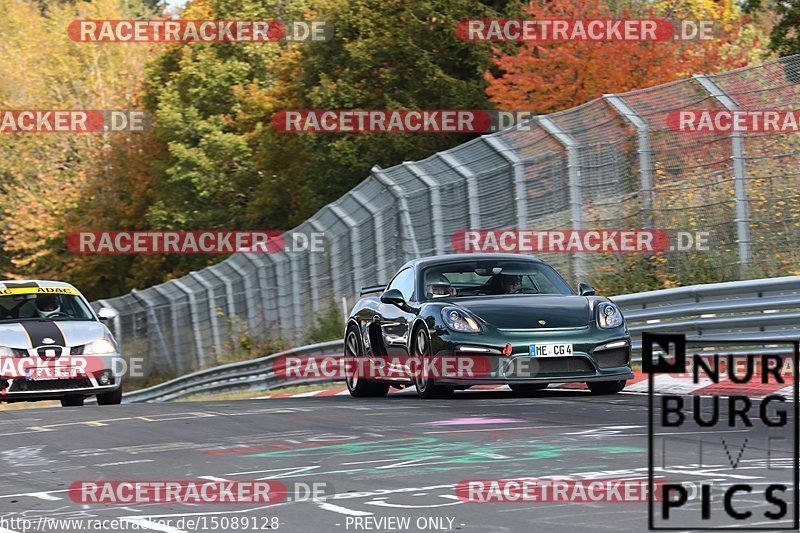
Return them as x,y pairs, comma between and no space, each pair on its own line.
425,384
606,387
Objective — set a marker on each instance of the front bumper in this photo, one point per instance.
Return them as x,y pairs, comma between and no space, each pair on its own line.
597,356
20,389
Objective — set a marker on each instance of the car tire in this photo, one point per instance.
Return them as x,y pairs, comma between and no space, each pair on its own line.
426,386
528,389
110,398
357,386
72,401
606,387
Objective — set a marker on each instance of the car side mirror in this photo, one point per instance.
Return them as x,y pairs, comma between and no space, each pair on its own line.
106,313
584,289
394,297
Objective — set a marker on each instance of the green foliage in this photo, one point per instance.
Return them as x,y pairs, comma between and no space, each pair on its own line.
328,325
785,36
391,54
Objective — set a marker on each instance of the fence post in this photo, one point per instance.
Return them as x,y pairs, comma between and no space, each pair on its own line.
173,308
314,270
355,244
574,175
294,272
436,212
472,187
380,243
248,289
407,227
228,290
195,312
153,327
518,166
643,146
742,219
212,311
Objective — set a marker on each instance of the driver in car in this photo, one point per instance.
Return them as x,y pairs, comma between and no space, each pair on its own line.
504,284
510,284
47,305
438,285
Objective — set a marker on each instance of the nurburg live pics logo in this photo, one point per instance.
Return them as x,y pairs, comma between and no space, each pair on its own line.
746,455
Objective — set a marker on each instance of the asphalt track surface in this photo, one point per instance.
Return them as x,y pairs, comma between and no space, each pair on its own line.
391,458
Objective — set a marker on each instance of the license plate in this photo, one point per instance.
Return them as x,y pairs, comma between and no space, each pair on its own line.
550,350
44,373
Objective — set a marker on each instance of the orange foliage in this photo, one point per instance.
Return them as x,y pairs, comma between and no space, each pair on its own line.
550,76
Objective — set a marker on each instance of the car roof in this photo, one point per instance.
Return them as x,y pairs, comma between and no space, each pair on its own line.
11,283
449,258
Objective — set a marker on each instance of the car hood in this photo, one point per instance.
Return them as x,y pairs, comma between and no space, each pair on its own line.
75,333
526,311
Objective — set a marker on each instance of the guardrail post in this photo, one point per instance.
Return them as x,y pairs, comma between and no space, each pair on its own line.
355,244
435,199
643,147
380,241
739,184
212,311
574,175
406,227
518,165
472,187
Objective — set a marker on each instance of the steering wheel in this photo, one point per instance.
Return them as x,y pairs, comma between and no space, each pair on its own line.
58,314
525,290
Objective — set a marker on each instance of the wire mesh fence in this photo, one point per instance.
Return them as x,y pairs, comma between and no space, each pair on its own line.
612,163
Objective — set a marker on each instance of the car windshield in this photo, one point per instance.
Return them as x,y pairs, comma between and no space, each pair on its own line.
492,277
16,307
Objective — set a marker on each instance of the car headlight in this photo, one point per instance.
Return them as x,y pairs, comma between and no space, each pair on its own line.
458,320
99,347
608,316
5,351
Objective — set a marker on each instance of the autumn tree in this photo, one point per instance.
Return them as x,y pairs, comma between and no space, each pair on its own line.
550,76
43,177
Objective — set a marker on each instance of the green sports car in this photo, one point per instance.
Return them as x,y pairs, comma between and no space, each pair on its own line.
510,319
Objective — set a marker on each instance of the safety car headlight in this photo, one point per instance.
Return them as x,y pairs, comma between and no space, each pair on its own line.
100,347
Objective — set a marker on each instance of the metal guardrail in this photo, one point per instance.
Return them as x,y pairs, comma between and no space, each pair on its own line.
256,374
763,308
